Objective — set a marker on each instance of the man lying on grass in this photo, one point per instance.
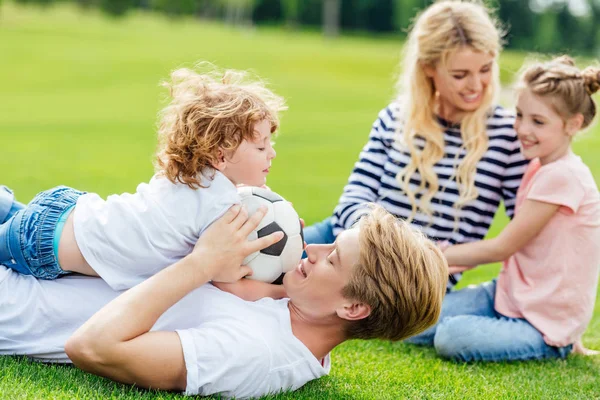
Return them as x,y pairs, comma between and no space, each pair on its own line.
176,331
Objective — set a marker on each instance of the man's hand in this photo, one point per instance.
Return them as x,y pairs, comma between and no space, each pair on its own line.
226,243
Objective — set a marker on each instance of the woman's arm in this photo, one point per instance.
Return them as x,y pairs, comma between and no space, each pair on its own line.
117,343
365,180
528,222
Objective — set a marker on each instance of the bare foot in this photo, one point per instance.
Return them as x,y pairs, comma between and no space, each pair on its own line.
579,348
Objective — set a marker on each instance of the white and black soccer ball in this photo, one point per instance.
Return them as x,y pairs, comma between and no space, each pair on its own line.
269,265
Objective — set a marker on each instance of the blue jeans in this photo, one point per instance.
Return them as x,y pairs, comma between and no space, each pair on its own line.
320,233
27,232
470,329
8,205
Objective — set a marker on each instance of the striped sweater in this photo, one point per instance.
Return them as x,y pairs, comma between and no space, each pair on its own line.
373,179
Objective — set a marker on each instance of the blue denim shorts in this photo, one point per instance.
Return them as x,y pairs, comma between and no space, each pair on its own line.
27,237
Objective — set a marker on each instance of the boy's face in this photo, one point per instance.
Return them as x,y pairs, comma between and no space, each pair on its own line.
251,162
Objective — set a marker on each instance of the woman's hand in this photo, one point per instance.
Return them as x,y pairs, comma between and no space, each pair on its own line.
226,243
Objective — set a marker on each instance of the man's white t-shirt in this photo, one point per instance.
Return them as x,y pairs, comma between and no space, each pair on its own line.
129,237
230,346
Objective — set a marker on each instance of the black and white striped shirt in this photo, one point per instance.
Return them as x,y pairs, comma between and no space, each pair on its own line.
373,179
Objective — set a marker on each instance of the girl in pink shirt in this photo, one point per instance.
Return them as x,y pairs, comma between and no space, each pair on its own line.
543,299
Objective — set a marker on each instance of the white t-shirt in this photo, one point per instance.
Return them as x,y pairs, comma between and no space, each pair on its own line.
231,346
129,237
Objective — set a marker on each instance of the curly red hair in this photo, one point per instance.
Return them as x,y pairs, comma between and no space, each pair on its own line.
209,112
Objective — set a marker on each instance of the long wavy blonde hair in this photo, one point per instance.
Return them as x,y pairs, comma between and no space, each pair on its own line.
441,29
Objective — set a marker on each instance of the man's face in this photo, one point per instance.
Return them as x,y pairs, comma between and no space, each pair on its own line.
316,284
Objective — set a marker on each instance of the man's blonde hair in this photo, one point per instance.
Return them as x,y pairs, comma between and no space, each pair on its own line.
443,28
401,275
208,112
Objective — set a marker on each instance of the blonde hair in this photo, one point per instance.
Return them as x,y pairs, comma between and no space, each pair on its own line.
568,89
441,29
401,274
208,112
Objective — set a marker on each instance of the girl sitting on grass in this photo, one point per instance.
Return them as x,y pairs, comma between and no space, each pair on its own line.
543,299
215,134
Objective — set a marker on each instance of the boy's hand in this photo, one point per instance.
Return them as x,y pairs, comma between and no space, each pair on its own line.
225,243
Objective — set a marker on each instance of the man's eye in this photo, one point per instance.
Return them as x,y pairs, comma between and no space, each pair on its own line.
459,77
538,122
519,115
261,148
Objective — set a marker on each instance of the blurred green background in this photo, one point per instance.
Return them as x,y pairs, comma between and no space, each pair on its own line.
79,95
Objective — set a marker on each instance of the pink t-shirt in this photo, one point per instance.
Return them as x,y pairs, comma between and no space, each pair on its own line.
552,281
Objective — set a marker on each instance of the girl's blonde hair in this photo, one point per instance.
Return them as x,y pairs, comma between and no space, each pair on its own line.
208,112
401,274
568,89
440,30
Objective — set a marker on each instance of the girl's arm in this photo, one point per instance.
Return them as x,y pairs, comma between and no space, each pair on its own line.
528,222
117,343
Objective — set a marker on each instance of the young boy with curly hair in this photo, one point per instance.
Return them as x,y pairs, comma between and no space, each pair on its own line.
214,134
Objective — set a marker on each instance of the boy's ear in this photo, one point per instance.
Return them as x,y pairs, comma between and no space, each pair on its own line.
354,311
574,124
221,162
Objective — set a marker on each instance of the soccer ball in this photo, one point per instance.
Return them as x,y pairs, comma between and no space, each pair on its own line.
269,265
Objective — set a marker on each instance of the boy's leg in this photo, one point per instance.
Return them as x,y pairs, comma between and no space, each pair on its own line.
472,300
476,338
8,205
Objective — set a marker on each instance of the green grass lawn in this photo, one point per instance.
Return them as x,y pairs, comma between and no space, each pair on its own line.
78,101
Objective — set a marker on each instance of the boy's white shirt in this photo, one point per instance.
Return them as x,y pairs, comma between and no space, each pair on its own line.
130,237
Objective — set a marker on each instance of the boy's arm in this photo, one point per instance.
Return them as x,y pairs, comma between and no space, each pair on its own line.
117,343
528,222
251,290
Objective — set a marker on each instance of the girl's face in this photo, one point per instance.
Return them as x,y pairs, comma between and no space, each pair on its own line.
461,82
541,131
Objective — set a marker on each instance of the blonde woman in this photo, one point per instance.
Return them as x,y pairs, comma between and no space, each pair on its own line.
443,155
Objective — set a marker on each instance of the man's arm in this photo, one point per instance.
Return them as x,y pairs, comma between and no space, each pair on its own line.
251,290
117,343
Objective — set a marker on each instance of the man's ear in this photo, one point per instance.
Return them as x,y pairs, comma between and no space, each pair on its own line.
221,162
354,311
574,124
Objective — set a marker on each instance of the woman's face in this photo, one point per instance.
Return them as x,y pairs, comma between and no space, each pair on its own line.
461,82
